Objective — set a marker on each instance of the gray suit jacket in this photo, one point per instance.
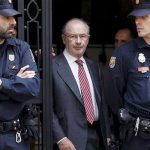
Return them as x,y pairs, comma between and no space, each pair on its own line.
69,114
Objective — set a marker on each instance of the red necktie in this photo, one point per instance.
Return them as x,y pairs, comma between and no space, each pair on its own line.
85,92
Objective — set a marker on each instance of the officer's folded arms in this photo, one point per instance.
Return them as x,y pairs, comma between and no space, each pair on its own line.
24,73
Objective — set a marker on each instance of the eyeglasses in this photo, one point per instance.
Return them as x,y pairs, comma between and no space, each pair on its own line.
74,37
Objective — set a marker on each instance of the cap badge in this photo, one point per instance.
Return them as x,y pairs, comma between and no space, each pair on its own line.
137,2
10,1
112,62
141,58
11,57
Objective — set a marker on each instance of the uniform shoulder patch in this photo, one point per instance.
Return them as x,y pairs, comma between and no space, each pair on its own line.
112,62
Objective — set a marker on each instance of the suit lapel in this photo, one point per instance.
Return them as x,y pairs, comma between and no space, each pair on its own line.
66,74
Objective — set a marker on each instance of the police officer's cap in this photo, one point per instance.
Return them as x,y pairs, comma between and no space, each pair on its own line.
141,8
7,9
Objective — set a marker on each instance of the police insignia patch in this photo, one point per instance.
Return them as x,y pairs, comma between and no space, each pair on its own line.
11,57
141,58
112,62
143,69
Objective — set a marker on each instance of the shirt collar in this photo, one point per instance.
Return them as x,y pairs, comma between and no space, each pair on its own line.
70,58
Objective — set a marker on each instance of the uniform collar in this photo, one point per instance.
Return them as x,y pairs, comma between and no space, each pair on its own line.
10,41
142,44
7,42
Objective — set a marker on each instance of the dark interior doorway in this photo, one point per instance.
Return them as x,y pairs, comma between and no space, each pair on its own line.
104,17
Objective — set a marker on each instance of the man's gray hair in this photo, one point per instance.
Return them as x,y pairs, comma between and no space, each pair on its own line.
75,19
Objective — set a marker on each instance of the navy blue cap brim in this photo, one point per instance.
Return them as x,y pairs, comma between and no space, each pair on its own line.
10,12
139,12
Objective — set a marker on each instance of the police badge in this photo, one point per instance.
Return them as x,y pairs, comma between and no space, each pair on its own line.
11,57
112,62
141,58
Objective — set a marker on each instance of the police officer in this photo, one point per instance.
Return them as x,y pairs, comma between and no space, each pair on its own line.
129,84
19,81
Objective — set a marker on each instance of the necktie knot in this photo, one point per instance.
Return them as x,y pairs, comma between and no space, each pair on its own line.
79,62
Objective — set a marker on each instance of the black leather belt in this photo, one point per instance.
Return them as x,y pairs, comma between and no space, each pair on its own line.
6,126
137,111
10,126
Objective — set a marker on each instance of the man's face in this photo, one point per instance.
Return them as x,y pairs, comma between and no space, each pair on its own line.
143,26
76,38
121,37
7,27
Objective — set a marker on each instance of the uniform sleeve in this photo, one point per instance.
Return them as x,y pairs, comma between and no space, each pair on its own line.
116,81
22,89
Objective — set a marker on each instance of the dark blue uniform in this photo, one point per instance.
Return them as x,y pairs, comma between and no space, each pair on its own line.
129,85
15,91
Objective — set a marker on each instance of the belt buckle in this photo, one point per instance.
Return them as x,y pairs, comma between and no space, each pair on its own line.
1,127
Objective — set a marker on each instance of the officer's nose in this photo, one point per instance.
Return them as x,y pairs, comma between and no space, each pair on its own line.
12,21
137,20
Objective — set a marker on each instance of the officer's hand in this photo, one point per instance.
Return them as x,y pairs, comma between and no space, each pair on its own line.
108,141
53,52
66,144
23,73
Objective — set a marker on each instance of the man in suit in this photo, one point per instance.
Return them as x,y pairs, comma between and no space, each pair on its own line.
76,127
123,36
